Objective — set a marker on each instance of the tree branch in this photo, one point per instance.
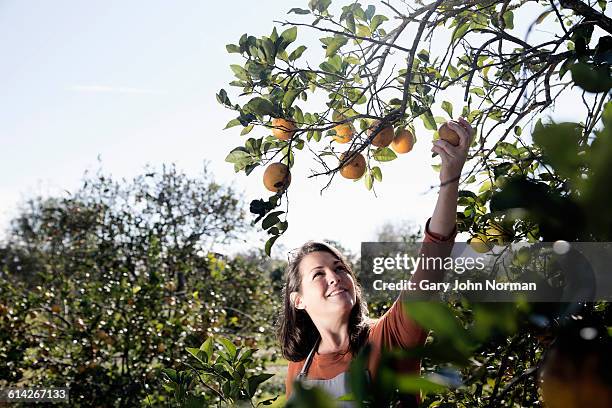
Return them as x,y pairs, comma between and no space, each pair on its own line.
413,51
589,13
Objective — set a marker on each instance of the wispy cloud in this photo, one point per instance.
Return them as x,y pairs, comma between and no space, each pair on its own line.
114,89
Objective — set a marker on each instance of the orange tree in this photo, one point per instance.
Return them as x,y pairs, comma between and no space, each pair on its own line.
504,65
383,68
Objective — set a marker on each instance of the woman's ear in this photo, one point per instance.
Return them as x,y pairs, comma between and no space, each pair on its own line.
296,300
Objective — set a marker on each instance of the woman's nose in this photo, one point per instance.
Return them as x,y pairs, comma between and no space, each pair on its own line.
332,278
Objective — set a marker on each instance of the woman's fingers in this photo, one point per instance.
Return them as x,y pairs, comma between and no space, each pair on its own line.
466,125
462,132
446,147
442,153
469,128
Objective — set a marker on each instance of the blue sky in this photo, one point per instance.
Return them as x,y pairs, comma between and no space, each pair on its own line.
134,83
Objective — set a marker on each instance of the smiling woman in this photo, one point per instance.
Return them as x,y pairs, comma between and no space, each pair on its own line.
324,323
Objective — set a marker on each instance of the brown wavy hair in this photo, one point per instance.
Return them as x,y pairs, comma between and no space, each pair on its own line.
296,332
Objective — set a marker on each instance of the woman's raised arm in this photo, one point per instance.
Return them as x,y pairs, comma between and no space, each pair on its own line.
453,158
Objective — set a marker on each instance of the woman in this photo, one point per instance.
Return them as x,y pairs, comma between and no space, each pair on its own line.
324,322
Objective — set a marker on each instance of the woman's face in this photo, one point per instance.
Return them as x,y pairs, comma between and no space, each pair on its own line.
327,287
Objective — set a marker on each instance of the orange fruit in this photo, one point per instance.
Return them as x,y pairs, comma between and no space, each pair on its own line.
384,137
403,141
344,133
480,244
277,177
283,129
354,168
448,134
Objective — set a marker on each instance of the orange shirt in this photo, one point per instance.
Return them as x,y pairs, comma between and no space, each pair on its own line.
394,329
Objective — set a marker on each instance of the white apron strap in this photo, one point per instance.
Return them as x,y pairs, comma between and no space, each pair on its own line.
306,366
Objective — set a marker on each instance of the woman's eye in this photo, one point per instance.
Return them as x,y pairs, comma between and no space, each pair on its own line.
341,269
317,274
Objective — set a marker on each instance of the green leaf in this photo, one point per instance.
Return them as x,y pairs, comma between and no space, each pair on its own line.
369,13
290,96
223,99
467,193
259,106
171,374
246,130
319,5
298,116
377,173
560,144
269,243
509,19
197,353
485,186
238,155
269,50
240,72
232,123
254,382
297,53
478,91
460,31
448,108
369,181
602,4
271,220
352,60
274,35
289,35
518,130
333,44
423,55
414,384
296,10
363,30
591,78
429,121
335,61
231,48
384,154
377,20
228,346
207,348
350,22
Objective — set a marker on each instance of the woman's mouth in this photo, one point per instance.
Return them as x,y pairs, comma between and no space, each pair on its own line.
336,292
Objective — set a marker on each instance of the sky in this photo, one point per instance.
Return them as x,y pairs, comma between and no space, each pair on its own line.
124,84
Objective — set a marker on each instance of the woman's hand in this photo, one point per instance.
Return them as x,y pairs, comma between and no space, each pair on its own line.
453,157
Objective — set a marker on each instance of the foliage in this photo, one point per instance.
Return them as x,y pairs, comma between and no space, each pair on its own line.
226,378
507,82
101,289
